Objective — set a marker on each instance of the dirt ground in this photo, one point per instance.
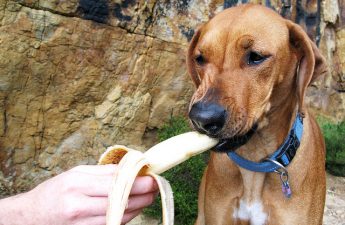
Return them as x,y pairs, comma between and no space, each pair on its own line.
335,201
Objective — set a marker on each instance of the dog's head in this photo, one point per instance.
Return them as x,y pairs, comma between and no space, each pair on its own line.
242,62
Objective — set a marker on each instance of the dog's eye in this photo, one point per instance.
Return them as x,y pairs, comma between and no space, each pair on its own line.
255,58
200,60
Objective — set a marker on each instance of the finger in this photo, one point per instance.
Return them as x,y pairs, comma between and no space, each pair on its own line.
142,185
129,216
136,202
88,184
94,206
96,220
108,169
93,184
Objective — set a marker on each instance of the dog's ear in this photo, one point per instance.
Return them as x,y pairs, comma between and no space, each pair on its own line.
190,58
311,63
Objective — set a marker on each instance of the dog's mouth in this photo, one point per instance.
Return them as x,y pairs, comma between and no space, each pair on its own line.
231,144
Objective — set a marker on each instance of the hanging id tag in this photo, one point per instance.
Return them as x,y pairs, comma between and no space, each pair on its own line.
284,178
286,189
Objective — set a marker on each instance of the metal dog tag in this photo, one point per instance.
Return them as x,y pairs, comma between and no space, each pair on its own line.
284,178
286,189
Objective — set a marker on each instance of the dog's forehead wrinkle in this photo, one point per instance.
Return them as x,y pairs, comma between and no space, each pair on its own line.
262,44
246,41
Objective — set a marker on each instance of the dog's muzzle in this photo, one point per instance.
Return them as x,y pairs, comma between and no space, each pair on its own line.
208,118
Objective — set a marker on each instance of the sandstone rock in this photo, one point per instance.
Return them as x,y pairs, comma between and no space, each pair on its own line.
71,87
78,76
330,10
115,94
338,71
102,110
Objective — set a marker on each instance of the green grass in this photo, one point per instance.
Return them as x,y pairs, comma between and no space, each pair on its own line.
334,134
184,178
176,125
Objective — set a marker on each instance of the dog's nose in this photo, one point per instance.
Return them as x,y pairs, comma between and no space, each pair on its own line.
208,118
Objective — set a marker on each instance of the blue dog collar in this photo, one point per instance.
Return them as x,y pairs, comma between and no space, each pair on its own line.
282,157
279,159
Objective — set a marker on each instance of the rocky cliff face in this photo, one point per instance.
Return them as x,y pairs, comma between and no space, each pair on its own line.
77,76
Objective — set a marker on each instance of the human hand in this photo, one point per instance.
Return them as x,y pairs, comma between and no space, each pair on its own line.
78,196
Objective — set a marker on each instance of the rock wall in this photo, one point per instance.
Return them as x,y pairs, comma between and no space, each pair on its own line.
327,96
77,76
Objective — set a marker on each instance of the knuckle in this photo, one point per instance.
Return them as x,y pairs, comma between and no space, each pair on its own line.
72,211
70,182
68,186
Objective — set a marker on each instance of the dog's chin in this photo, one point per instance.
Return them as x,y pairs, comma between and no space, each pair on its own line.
231,144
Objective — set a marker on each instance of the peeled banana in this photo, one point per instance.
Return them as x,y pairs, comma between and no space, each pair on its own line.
156,160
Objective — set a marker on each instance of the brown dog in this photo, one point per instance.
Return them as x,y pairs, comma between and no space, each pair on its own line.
251,68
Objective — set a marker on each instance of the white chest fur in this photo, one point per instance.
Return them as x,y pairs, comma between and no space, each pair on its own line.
252,212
